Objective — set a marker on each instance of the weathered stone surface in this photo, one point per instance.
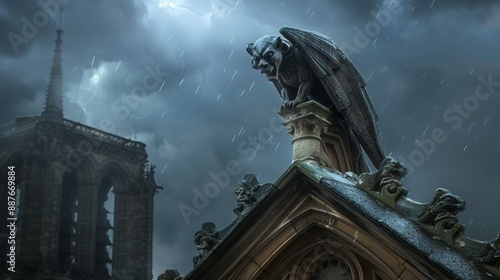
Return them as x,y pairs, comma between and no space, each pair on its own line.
320,136
300,227
386,181
170,274
443,209
248,191
490,254
206,239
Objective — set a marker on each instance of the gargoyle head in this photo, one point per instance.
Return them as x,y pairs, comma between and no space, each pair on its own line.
206,236
446,201
392,168
246,191
267,54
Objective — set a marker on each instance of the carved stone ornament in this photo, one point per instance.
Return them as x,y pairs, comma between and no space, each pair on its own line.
247,191
331,268
326,261
170,274
319,136
491,253
307,127
442,210
389,176
206,239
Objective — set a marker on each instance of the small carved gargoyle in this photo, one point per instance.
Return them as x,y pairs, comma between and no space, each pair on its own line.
491,253
389,175
443,208
170,274
206,239
247,191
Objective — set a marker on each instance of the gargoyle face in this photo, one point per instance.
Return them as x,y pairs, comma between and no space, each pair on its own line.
267,55
245,193
452,203
393,168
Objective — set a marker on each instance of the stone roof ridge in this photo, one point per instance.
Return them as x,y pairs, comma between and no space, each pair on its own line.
438,217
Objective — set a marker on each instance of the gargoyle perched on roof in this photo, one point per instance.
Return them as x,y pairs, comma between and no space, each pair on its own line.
206,239
443,209
305,65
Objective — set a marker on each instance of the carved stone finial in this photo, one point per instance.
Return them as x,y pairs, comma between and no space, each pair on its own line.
441,214
170,274
152,169
149,172
206,239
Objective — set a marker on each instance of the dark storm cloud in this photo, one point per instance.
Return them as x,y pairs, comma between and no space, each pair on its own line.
24,93
356,9
16,24
208,103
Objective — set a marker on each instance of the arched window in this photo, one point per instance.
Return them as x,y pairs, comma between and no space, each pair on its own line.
104,228
68,219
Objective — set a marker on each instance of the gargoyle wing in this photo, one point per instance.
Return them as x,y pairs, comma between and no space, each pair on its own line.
278,87
343,83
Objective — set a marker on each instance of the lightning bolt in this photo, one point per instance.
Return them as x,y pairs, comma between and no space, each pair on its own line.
170,5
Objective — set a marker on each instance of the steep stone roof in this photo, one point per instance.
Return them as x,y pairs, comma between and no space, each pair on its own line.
432,230
319,195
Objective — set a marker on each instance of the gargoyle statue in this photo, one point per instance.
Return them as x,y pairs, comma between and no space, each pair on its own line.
206,239
491,253
305,65
389,175
170,274
444,207
247,191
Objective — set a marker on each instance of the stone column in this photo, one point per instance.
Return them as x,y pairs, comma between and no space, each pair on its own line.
133,232
120,232
51,184
320,136
86,226
30,216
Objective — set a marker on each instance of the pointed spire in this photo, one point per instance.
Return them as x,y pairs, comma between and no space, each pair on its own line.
54,102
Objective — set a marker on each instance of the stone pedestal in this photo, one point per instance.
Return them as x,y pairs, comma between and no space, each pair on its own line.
318,135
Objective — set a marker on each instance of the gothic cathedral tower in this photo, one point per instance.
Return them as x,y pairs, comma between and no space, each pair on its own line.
75,201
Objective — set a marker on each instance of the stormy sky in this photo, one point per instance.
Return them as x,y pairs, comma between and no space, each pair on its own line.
432,68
